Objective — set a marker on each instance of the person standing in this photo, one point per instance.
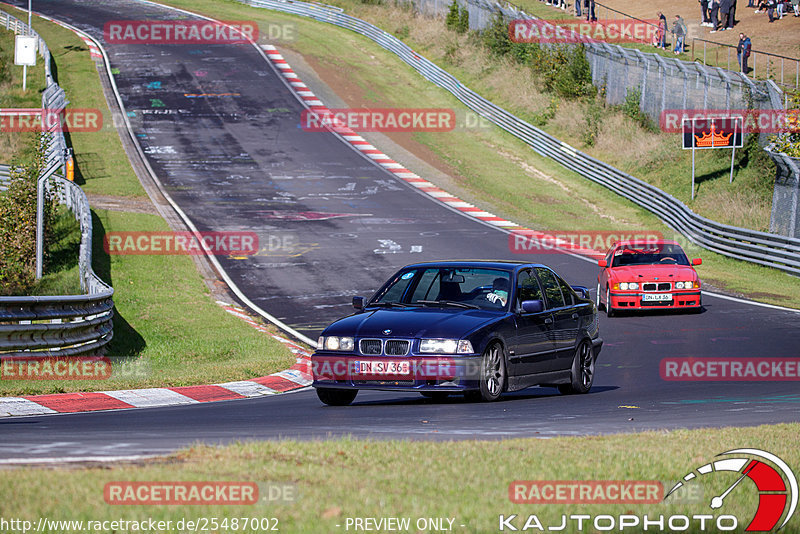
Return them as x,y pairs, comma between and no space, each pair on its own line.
724,11
704,12
714,15
679,30
796,7
578,8
743,52
589,5
771,10
732,15
662,31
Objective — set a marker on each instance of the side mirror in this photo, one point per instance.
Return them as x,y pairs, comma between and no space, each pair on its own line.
583,291
697,261
532,306
358,303
602,263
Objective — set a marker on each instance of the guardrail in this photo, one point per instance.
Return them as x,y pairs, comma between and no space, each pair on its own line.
752,246
61,325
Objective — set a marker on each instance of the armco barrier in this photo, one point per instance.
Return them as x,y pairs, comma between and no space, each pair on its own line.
753,246
62,325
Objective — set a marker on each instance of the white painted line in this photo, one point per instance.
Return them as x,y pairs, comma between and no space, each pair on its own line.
295,376
247,388
458,204
19,406
439,194
76,459
150,397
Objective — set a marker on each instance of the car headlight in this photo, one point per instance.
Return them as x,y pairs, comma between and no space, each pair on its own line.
628,285
679,285
336,343
445,346
633,285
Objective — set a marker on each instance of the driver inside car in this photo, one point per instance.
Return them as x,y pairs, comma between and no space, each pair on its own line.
499,293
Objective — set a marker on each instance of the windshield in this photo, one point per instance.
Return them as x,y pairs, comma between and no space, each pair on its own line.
649,254
486,289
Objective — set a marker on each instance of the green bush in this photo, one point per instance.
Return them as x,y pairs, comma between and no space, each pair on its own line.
495,36
18,224
453,15
789,142
630,108
564,70
463,20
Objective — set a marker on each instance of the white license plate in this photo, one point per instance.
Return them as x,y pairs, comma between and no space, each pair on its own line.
382,367
657,297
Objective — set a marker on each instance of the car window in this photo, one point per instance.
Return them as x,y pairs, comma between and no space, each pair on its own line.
528,287
650,254
394,293
425,288
566,290
551,288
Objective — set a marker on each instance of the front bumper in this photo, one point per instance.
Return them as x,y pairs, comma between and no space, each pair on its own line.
423,373
633,300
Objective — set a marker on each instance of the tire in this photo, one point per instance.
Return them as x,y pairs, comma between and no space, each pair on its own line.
493,375
435,395
336,397
597,298
582,373
609,310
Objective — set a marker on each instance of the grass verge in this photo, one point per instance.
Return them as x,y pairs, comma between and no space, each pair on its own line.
492,168
168,331
467,481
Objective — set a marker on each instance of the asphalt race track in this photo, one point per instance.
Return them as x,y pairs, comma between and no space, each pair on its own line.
220,128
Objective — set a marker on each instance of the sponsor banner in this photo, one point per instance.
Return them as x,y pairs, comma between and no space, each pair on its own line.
176,243
744,120
592,243
180,493
53,120
730,369
566,31
55,368
179,32
586,491
379,120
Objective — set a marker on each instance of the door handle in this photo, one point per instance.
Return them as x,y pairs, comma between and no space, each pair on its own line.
575,316
548,320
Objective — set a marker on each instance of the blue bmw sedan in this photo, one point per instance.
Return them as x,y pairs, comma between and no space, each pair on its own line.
478,328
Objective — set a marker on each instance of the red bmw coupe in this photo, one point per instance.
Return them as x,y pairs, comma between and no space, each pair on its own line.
638,275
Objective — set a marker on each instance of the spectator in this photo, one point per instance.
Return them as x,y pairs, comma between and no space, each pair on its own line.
704,13
780,9
679,29
714,15
732,15
589,5
662,31
796,6
771,4
762,6
743,52
724,11
750,3
578,8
